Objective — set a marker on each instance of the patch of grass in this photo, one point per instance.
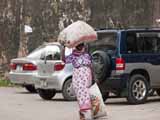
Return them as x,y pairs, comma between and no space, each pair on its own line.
5,83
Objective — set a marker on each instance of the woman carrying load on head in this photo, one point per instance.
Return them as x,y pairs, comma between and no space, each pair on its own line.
82,79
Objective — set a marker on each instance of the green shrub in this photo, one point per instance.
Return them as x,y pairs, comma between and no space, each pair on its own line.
5,83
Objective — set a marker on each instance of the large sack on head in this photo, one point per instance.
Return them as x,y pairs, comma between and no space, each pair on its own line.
76,33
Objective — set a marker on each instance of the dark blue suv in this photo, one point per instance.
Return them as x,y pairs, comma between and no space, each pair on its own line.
127,62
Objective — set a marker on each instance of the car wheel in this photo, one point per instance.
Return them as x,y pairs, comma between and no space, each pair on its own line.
46,94
137,89
158,92
30,88
101,65
67,91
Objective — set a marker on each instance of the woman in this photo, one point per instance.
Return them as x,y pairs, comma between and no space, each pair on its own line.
82,79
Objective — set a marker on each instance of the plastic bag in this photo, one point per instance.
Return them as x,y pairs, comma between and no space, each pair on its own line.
98,106
76,33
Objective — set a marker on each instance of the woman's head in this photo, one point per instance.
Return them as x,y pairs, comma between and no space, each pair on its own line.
80,47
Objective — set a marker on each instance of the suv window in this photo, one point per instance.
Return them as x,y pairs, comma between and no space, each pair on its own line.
149,42
143,42
106,41
131,43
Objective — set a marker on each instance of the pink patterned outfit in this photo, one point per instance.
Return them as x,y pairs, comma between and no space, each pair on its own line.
82,80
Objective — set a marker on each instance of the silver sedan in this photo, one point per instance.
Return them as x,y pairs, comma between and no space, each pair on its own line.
44,70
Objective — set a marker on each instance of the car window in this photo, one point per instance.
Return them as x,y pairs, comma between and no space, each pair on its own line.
131,43
148,43
51,52
106,41
36,53
143,42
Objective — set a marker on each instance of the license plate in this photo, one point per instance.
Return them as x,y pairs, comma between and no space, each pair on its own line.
43,82
19,68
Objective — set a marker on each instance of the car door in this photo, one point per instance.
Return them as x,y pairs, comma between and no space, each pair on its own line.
151,54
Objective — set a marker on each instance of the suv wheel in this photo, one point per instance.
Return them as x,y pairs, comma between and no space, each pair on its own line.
30,88
137,89
67,91
46,94
158,92
101,64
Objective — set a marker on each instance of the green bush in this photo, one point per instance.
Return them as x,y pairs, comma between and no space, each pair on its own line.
5,83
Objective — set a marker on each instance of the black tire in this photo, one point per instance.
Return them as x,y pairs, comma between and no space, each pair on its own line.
30,88
46,94
67,91
101,65
138,88
158,92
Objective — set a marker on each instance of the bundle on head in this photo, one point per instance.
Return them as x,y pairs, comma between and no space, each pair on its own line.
76,33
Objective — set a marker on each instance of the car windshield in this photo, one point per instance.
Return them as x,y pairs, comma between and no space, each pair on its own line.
106,41
44,50
35,54
47,50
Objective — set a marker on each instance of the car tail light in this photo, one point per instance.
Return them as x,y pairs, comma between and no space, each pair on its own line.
13,66
59,66
29,67
120,64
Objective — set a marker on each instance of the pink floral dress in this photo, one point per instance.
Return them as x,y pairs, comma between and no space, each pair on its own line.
82,78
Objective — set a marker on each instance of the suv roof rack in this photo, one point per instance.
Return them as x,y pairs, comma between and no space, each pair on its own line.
128,28
108,28
142,27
